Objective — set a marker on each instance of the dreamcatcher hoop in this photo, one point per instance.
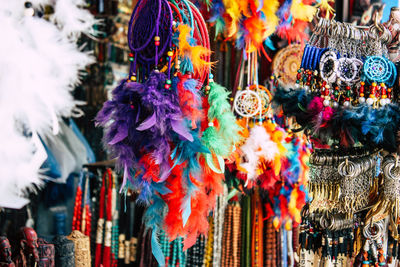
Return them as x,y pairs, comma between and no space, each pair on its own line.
346,70
286,63
378,69
150,20
247,103
265,97
328,66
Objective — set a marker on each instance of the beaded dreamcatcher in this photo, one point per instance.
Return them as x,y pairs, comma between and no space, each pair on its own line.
286,63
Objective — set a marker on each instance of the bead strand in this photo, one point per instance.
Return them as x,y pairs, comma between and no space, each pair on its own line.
209,244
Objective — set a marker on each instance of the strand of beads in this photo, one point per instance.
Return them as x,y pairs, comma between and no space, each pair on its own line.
227,238
218,227
208,252
236,235
165,246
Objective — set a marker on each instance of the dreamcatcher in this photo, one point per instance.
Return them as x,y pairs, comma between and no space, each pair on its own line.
255,99
286,63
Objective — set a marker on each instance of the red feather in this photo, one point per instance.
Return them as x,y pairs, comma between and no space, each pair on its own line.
173,219
189,102
294,32
152,170
212,183
197,223
268,178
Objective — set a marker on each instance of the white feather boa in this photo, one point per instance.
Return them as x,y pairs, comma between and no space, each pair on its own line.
40,64
258,146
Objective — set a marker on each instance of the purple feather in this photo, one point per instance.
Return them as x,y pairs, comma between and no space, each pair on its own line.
179,128
149,122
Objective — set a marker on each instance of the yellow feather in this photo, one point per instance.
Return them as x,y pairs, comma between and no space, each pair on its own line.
292,206
301,11
270,7
325,6
196,53
232,9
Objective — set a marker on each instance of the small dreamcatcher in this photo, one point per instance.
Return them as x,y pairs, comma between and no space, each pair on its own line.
247,103
379,69
286,63
255,100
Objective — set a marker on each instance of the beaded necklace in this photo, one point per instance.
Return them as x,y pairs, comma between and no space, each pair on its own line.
270,251
165,246
115,227
257,233
218,227
236,235
226,243
246,230
208,253
195,254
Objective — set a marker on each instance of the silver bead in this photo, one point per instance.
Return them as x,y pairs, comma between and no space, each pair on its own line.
327,102
297,85
335,105
346,104
370,101
361,100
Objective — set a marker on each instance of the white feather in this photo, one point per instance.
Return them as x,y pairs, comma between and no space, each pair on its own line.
73,19
39,67
258,146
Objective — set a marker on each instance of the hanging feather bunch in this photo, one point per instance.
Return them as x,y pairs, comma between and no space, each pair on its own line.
42,64
347,126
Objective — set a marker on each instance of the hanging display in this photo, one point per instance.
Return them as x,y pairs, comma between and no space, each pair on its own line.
346,102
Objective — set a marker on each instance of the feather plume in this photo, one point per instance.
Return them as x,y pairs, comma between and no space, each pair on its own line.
216,17
196,54
197,223
302,11
295,103
232,15
214,141
153,219
174,200
189,99
220,109
43,66
212,182
269,9
293,31
73,19
258,146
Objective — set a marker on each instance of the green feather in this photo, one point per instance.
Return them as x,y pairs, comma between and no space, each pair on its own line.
218,100
220,109
215,142
219,27
229,129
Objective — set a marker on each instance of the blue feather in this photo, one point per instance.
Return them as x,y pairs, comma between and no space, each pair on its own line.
187,210
156,248
269,44
186,65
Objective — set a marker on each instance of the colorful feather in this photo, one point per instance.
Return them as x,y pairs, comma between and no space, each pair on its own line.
232,14
195,53
189,99
302,11
258,146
